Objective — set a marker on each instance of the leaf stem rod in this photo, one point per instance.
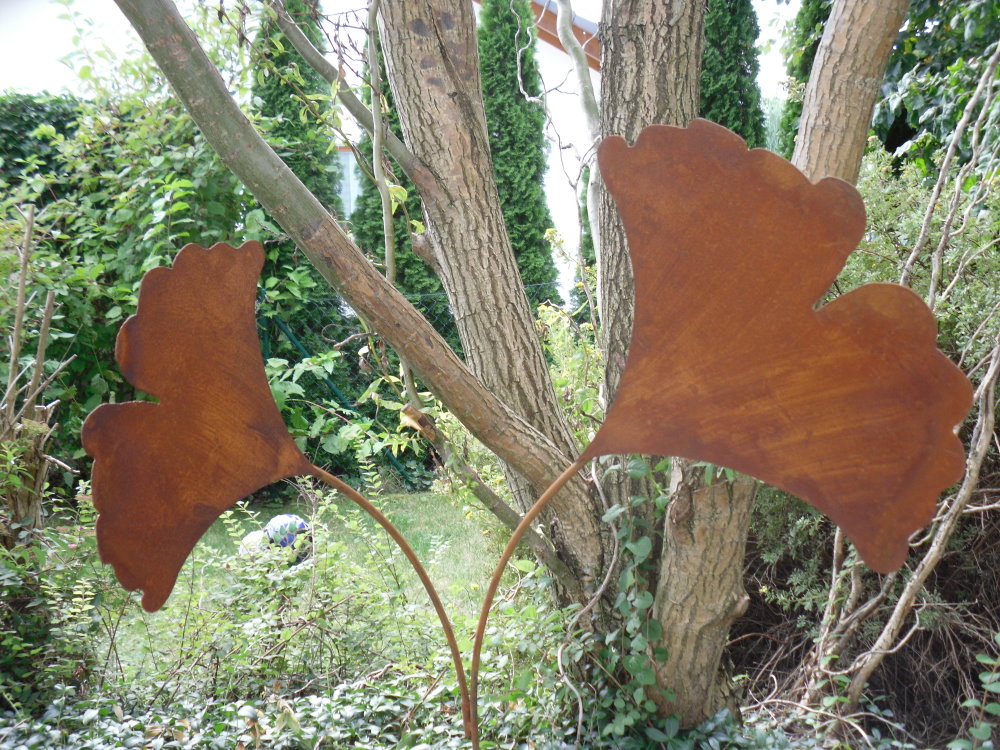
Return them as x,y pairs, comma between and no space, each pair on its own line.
468,712
508,552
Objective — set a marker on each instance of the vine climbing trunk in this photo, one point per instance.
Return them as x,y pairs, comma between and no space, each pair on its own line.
651,58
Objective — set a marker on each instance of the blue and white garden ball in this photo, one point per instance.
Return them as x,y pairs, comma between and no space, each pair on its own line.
283,530
253,542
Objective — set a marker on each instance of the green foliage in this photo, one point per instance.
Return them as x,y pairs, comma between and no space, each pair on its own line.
967,291
297,105
136,182
730,95
937,61
788,544
987,709
340,650
29,124
47,618
576,367
799,50
515,119
124,187
298,116
633,649
355,437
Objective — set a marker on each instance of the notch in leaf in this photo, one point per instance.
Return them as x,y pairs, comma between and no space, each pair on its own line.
849,405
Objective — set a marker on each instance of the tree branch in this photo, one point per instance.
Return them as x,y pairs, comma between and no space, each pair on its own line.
396,148
592,112
199,86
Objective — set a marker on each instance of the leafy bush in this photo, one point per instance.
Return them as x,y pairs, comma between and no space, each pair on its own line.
48,617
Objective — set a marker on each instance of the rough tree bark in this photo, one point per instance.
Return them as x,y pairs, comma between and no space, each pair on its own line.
846,76
432,55
650,64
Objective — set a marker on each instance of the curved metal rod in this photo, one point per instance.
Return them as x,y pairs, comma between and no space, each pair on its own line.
508,552
468,712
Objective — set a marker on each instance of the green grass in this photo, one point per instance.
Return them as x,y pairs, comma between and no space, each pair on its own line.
459,549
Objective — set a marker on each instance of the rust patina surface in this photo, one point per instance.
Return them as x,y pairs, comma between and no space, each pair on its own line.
165,471
849,405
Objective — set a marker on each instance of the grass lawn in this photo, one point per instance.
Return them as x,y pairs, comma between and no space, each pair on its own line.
459,549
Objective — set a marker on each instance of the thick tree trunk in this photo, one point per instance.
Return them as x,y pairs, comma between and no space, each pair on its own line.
700,592
651,63
431,52
846,76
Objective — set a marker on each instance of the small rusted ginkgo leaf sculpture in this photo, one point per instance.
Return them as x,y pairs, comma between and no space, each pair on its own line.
165,471
850,405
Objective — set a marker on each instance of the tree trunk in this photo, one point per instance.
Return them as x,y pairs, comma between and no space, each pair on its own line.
699,593
650,63
651,60
846,76
431,52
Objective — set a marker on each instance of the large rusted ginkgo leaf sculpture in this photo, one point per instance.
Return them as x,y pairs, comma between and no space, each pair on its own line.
164,472
850,405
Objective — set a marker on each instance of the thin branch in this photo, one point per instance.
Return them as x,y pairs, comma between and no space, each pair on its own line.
956,138
598,594
937,258
396,148
591,111
19,307
45,383
43,339
379,132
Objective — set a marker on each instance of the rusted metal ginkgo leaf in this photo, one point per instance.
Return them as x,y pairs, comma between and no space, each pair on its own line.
164,472
849,406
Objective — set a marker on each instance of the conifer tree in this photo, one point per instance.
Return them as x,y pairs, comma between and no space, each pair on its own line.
730,95
302,142
800,49
303,145
516,123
